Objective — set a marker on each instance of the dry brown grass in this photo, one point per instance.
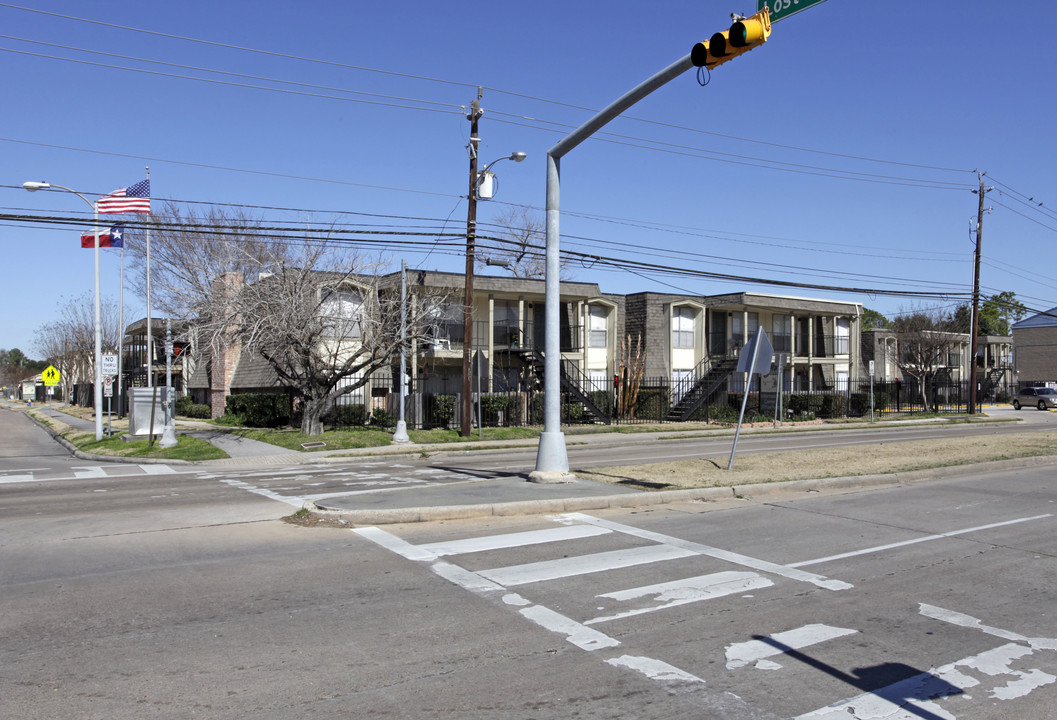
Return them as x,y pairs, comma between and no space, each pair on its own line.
876,458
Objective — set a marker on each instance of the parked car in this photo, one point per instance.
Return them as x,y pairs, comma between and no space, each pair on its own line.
1041,397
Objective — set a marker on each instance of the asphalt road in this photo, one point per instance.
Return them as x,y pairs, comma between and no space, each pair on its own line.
177,595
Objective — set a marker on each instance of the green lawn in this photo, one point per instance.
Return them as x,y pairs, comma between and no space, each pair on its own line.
187,448
373,437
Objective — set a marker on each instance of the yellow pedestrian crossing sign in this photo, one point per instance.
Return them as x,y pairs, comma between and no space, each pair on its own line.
51,376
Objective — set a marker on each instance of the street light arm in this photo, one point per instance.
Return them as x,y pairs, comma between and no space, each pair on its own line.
33,186
515,156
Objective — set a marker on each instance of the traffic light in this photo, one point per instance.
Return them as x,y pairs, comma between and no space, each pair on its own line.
743,35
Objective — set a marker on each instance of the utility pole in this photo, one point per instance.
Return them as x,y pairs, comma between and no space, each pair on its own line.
466,409
976,296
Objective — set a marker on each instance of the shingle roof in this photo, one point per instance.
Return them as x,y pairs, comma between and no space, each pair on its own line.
1043,319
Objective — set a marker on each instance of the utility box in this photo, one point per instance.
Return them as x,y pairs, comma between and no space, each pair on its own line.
139,411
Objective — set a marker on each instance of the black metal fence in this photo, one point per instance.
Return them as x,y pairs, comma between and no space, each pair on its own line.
651,401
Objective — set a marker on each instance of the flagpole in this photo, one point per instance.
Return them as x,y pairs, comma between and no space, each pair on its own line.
121,331
98,333
150,335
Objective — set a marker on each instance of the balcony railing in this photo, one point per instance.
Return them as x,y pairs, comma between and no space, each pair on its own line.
448,335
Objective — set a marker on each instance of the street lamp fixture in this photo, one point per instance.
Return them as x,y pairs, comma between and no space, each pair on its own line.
33,186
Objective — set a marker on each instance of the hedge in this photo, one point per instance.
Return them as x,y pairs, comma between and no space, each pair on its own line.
260,409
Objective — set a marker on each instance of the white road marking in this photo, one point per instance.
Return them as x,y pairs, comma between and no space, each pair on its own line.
682,592
393,543
927,538
88,471
967,621
156,469
920,693
576,633
510,540
654,669
465,578
726,555
744,653
264,492
9,479
583,564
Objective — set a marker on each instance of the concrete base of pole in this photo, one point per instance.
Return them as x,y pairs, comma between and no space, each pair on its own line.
401,436
168,437
552,462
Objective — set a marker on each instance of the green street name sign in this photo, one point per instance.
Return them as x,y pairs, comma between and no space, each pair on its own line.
781,9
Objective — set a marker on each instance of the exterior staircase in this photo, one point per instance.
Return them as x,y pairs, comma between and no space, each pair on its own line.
705,384
572,381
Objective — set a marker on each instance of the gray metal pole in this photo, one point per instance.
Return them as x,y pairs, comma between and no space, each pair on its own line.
745,396
552,460
121,332
168,438
98,335
150,335
401,436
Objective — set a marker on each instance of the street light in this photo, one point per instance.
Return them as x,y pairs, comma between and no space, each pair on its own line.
471,241
32,186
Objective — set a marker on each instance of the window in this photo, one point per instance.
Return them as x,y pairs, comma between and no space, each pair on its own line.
754,323
843,336
782,333
340,309
505,323
597,330
682,327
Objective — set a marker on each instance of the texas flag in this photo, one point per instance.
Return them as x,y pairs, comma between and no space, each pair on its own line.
114,237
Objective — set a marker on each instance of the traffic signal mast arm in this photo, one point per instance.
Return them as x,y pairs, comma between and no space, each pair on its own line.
743,35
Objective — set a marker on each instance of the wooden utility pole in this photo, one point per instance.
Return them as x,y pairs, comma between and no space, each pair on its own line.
466,406
976,298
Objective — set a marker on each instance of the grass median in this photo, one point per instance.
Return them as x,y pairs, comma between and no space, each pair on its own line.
817,463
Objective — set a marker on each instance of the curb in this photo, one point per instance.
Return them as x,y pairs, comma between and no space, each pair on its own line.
663,497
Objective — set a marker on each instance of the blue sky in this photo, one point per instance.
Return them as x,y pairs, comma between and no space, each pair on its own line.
840,154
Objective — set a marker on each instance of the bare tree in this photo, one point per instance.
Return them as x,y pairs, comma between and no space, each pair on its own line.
925,342
69,341
321,317
190,251
324,321
519,245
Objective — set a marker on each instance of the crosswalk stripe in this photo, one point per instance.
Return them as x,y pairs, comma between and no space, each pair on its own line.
717,553
583,564
156,469
512,540
682,592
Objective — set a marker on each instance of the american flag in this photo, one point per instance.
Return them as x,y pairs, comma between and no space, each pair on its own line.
134,198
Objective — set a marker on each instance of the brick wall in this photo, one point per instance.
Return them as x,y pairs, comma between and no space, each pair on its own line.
1035,354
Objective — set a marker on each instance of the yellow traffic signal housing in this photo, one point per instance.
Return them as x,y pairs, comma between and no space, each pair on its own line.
743,35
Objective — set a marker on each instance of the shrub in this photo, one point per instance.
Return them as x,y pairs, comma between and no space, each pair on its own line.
860,403
382,418
351,415
509,405
183,404
198,412
652,403
805,404
573,413
603,400
260,409
443,411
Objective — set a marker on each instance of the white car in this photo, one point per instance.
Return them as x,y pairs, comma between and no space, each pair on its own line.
1041,397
